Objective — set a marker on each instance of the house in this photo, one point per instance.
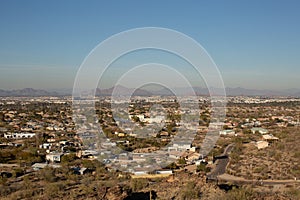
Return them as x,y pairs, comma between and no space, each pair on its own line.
270,137
63,142
87,154
139,157
164,172
28,129
54,157
50,128
156,119
262,144
193,156
216,125
259,130
164,134
175,154
144,173
45,146
51,140
192,149
182,145
108,144
121,134
227,132
38,166
139,173
172,148
18,135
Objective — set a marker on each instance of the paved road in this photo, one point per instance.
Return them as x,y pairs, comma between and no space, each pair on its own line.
220,175
228,149
221,163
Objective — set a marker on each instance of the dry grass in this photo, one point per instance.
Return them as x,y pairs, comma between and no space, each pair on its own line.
281,160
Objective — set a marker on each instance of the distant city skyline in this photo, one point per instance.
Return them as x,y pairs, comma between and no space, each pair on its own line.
255,44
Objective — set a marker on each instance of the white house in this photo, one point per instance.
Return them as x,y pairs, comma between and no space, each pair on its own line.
156,119
261,144
174,154
227,132
18,135
164,172
38,166
182,145
139,173
270,137
260,130
54,157
45,146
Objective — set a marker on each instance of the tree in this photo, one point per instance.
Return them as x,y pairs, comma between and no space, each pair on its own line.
68,158
241,193
172,166
202,168
181,161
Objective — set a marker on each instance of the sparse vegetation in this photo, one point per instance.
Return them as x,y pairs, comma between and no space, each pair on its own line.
18,180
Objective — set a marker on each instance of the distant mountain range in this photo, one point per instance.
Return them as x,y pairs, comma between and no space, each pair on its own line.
121,90
27,92
199,91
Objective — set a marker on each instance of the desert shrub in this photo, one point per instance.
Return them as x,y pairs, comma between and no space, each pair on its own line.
239,193
297,155
48,174
189,191
293,193
181,161
53,190
7,155
18,172
138,184
202,168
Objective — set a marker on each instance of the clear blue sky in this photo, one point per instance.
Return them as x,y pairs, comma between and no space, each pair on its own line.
255,44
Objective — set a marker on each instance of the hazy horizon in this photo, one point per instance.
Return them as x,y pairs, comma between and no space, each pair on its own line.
255,44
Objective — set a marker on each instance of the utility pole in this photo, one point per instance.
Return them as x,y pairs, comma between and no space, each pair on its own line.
298,123
251,173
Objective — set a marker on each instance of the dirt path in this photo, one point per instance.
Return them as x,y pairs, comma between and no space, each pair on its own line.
235,179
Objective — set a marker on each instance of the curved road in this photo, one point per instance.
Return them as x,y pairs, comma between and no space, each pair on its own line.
219,173
221,163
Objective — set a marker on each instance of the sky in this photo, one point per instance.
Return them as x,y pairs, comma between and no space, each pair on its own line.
255,44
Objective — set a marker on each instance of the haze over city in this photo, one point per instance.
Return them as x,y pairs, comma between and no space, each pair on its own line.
255,44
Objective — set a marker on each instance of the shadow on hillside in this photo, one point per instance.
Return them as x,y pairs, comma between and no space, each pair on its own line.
142,196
